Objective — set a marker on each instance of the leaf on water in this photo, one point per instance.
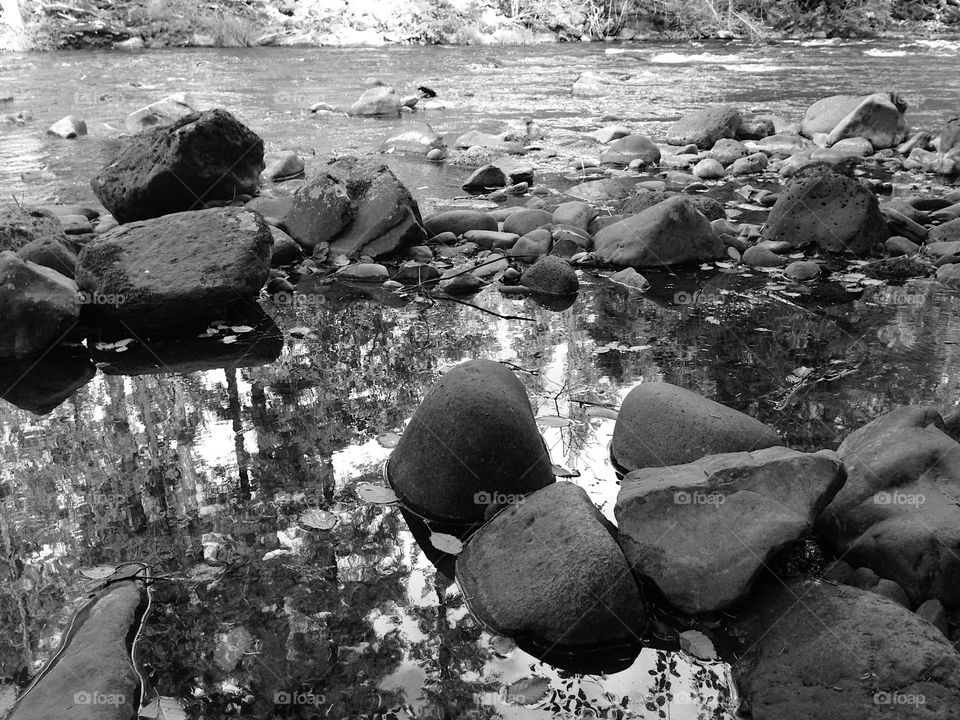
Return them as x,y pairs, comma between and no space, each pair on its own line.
712,320
554,421
734,254
871,281
241,329
100,572
319,519
274,554
388,439
724,264
527,691
502,646
697,644
561,471
164,708
229,339
802,371
376,494
300,331
446,543
595,411
118,346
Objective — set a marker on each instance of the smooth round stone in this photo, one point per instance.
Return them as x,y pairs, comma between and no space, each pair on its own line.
802,270
709,169
756,256
364,272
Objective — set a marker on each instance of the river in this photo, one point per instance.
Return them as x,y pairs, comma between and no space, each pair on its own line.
156,466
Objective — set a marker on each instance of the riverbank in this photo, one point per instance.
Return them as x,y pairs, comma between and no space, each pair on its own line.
85,24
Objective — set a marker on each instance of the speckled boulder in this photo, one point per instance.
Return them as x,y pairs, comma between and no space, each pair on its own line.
705,126
551,275
549,569
833,210
22,225
472,440
662,424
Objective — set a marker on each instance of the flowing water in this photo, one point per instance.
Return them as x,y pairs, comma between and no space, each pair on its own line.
204,468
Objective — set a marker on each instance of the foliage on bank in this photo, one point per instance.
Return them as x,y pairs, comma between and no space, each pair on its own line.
164,23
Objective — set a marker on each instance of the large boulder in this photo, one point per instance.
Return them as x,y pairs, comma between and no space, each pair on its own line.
898,513
632,147
820,651
705,126
548,569
359,207
41,383
703,531
670,233
834,210
197,159
177,271
661,424
92,677
877,117
20,225
38,307
415,139
472,441
162,112
379,100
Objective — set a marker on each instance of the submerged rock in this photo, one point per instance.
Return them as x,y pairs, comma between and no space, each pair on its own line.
40,384
68,128
702,532
548,568
670,233
898,513
419,139
472,441
819,651
357,206
198,159
833,210
39,306
661,424
170,273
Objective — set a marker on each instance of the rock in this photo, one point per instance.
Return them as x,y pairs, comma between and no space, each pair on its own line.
515,170
702,532
919,139
283,165
897,513
285,250
590,83
864,578
92,678
933,612
68,128
459,221
197,159
705,126
710,208
838,571
949,275
576,213
551,275
532,245
833,210
780,146
462,284
499,143
825,114
357,206
52,253
855,146
694,642
490,239
363,272
817,156
610,133
933,162
661,424
379,100
670,233
898,245
163,112
841,653
890,589
630,278
182,270
896,269
899,224
757,128
709,169
417,139
726,151
760,256
538,568
22,225
485,177
950,136
75,224
948,232
581,238
40,307
526,221
271,207
603,191
472,441
875,118
436,155
416,273
802,270
630,148
41,383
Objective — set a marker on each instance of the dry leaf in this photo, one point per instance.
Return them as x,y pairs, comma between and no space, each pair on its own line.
319,519
446,543
376,494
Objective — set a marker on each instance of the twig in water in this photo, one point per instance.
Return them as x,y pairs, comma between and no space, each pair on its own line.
482,309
